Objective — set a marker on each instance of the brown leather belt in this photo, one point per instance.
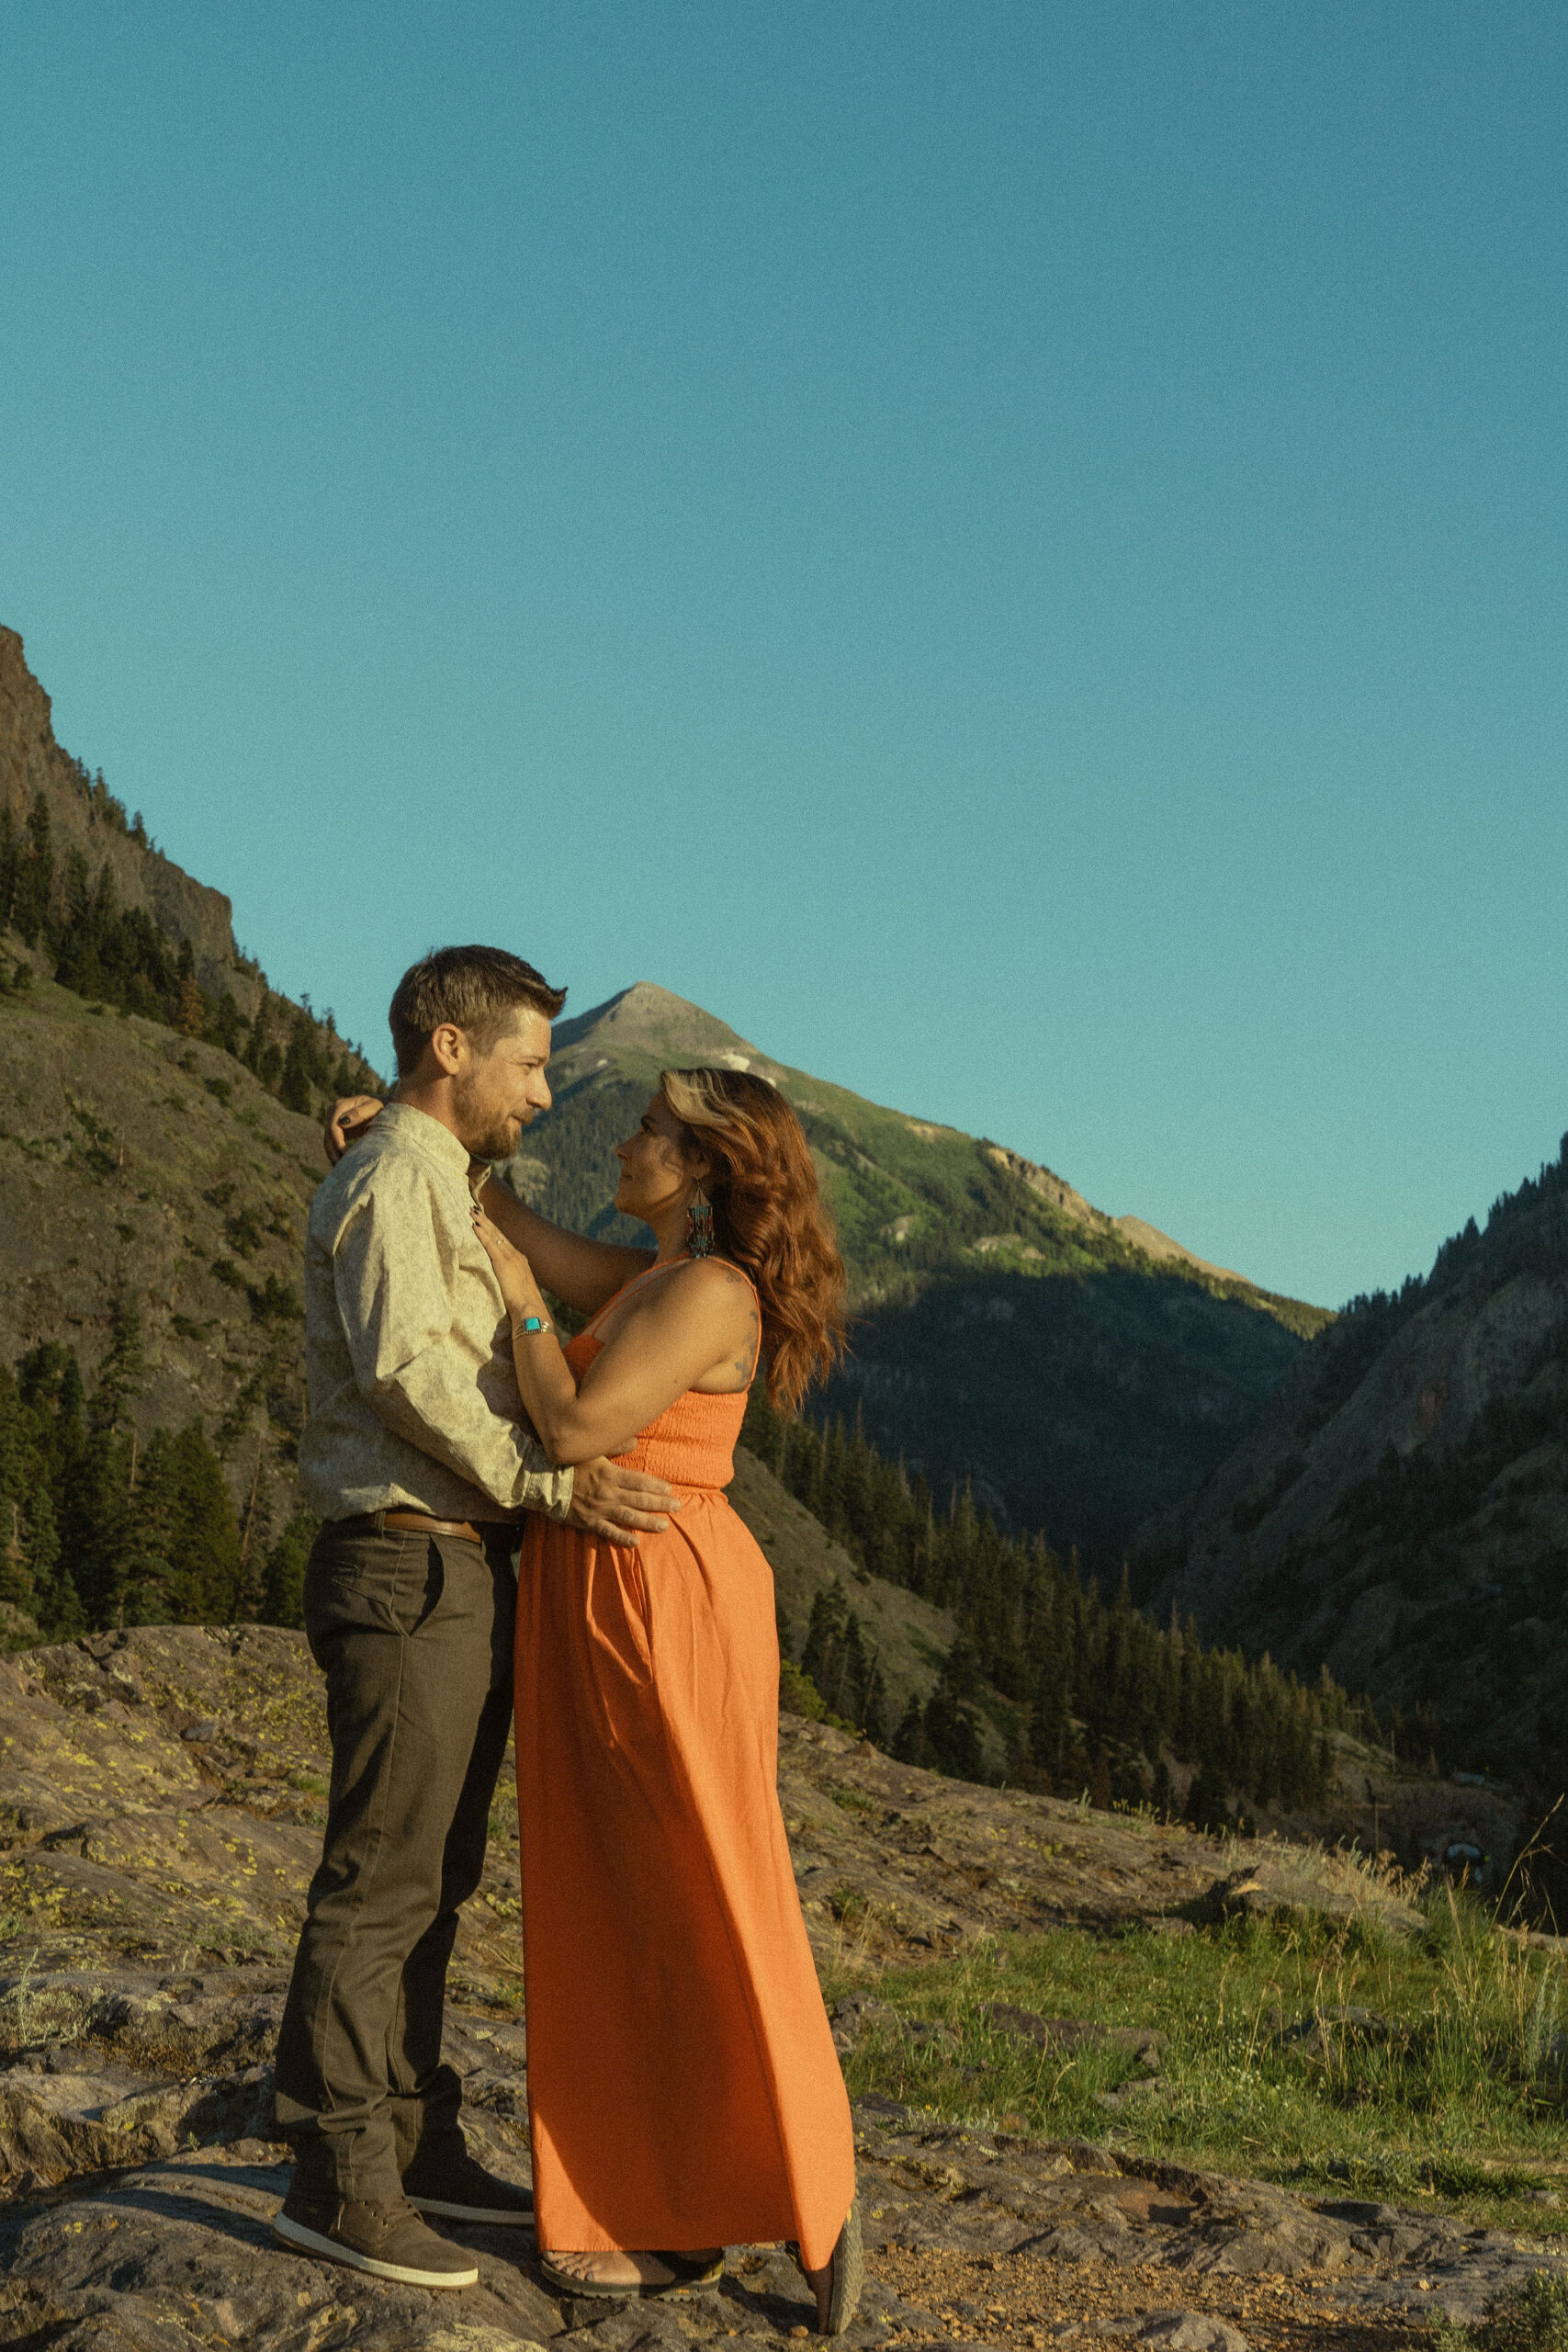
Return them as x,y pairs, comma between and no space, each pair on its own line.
420,1522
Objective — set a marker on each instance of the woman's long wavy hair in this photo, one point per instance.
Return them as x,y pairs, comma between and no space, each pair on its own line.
768,1216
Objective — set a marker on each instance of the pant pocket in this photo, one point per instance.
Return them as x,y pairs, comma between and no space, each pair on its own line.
386,1584
421,1581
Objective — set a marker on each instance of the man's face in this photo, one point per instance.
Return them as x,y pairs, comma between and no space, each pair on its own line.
497,1092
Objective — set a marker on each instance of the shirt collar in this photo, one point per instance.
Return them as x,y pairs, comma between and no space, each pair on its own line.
419,1132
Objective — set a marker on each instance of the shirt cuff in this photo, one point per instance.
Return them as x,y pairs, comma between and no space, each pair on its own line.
549,1490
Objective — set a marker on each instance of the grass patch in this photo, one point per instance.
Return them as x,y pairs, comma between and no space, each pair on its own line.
1331,2056
1533,2318
855,1801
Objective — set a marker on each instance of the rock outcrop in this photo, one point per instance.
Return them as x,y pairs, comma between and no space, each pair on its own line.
31,762
140,2202
164,1790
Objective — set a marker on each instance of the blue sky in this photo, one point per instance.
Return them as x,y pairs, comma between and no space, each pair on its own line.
1016,553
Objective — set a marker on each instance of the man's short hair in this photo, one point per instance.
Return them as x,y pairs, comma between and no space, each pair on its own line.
477,988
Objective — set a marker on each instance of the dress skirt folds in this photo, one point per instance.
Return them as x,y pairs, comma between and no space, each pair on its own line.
683,2083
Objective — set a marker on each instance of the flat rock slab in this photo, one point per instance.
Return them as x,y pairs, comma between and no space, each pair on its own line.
1185,2332
181,2253
170,2256
971,2236
989,2194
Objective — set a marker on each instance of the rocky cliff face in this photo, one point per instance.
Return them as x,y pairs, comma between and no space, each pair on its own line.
1400,1510
31,762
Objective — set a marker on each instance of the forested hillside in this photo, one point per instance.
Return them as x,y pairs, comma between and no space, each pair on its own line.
1085,1695
947,1644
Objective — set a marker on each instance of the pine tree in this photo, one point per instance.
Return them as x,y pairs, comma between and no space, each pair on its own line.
283,1590
56,1603
873,1709
183,1555
854,1674
10,866
294,1086
824,1634
909,1739
122,1373
35,880
16,1569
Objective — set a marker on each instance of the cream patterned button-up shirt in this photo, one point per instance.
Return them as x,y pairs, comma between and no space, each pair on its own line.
414,1397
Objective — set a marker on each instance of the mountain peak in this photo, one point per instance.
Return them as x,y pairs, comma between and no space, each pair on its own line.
656,1024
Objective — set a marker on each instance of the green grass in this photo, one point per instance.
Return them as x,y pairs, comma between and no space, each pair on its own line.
1462,2101
1533,2318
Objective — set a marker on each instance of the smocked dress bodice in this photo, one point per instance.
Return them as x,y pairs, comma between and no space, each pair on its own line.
693,1441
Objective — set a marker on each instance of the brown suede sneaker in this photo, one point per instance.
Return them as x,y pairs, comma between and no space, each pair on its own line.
389,2240
448,2181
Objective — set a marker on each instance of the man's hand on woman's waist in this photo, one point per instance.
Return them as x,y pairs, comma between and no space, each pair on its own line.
619,1505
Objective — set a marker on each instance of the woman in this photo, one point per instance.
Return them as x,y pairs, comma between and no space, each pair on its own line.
684,2090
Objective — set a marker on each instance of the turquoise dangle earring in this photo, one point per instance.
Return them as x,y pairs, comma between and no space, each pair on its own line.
699,1226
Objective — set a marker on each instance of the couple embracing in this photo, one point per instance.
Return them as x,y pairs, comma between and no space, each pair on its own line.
682,2087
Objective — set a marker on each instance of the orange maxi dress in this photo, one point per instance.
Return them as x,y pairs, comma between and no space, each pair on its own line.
682,2085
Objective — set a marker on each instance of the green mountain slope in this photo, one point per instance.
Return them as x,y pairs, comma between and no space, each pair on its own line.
1077,1369
159,1131
1400,1510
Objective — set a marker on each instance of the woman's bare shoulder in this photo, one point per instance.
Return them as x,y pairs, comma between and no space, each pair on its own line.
709,1288
706,1284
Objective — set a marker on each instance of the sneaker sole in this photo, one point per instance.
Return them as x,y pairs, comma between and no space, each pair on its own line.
848,2273
295,2233
494,2217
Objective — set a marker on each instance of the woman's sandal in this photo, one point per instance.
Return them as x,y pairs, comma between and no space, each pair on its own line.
847,2268
690,2271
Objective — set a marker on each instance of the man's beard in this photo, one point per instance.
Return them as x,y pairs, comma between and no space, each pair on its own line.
497,1141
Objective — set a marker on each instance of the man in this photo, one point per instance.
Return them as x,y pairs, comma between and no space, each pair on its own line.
417,1460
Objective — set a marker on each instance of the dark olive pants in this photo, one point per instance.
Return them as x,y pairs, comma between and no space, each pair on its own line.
413,1634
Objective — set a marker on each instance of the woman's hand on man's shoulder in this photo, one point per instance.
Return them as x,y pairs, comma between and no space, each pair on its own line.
349,1118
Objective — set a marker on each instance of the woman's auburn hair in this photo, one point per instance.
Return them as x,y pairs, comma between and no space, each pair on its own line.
768,1216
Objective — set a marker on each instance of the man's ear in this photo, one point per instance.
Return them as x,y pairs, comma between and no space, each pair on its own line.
446,1043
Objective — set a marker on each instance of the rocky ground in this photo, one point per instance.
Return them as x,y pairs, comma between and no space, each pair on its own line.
163,1791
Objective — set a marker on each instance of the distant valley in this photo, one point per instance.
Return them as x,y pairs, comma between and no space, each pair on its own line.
1385,1492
